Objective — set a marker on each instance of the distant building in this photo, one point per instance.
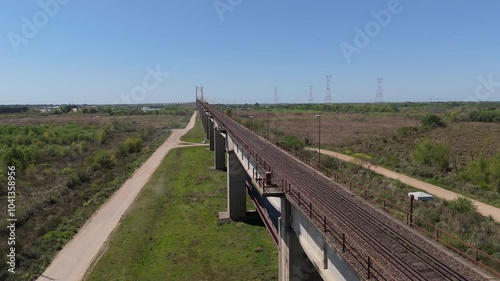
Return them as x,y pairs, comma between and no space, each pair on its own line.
150,109
49,108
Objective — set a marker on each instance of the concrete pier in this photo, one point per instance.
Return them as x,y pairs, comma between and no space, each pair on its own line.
236,189
211,134
294,263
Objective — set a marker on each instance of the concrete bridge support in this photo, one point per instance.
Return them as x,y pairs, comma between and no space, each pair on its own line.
207,119
219,149
294,265
236,189
211,135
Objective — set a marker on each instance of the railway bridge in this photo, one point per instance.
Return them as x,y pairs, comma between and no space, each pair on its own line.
322,230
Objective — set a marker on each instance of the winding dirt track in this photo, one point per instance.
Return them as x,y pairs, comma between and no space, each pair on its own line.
482,208
72,262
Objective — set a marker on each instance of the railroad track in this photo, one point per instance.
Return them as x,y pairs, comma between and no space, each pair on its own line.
399,251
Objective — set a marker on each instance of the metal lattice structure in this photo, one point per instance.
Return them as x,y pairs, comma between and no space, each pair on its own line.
310,94
275,94
380,91
328,97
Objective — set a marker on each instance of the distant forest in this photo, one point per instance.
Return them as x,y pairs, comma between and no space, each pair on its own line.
13,109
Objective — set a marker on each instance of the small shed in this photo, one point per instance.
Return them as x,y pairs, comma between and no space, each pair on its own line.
421,196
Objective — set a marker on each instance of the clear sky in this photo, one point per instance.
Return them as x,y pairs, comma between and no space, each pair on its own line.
99,51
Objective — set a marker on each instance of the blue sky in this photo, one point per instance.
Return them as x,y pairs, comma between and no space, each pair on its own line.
90,51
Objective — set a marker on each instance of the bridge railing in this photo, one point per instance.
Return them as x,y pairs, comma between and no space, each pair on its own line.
466,250
478,257
341,241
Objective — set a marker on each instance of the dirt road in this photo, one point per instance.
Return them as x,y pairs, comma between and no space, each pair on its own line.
75,258
484,209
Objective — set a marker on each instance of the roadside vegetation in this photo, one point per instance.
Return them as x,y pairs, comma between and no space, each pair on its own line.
67,166
196,135
458,217
171,231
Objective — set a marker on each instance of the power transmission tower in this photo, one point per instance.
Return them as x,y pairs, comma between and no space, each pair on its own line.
275,94
380,91
328,97
310,94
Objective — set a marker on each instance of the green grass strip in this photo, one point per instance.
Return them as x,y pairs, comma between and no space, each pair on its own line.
171,231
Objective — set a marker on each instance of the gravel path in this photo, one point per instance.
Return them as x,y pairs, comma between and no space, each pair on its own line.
484,209
73,261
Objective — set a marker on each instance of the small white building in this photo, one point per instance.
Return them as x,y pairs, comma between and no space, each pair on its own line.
420,196
145,108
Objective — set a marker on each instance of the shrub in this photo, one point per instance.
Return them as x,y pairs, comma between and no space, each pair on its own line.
484,172
484,116
405,131
433,154
106,159
101,136
132,145
292,142
101,159
432,121
18,156
462,205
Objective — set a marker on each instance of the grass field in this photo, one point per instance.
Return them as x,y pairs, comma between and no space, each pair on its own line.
196,135
171,231
67,165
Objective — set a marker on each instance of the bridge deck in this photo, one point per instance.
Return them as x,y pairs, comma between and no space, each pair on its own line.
380,248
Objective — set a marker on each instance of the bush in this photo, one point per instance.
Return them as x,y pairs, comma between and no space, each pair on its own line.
484,116
101,136
101,159
292,142
132,145
405,131
432,121
462,205
432,154
484,172
20,157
